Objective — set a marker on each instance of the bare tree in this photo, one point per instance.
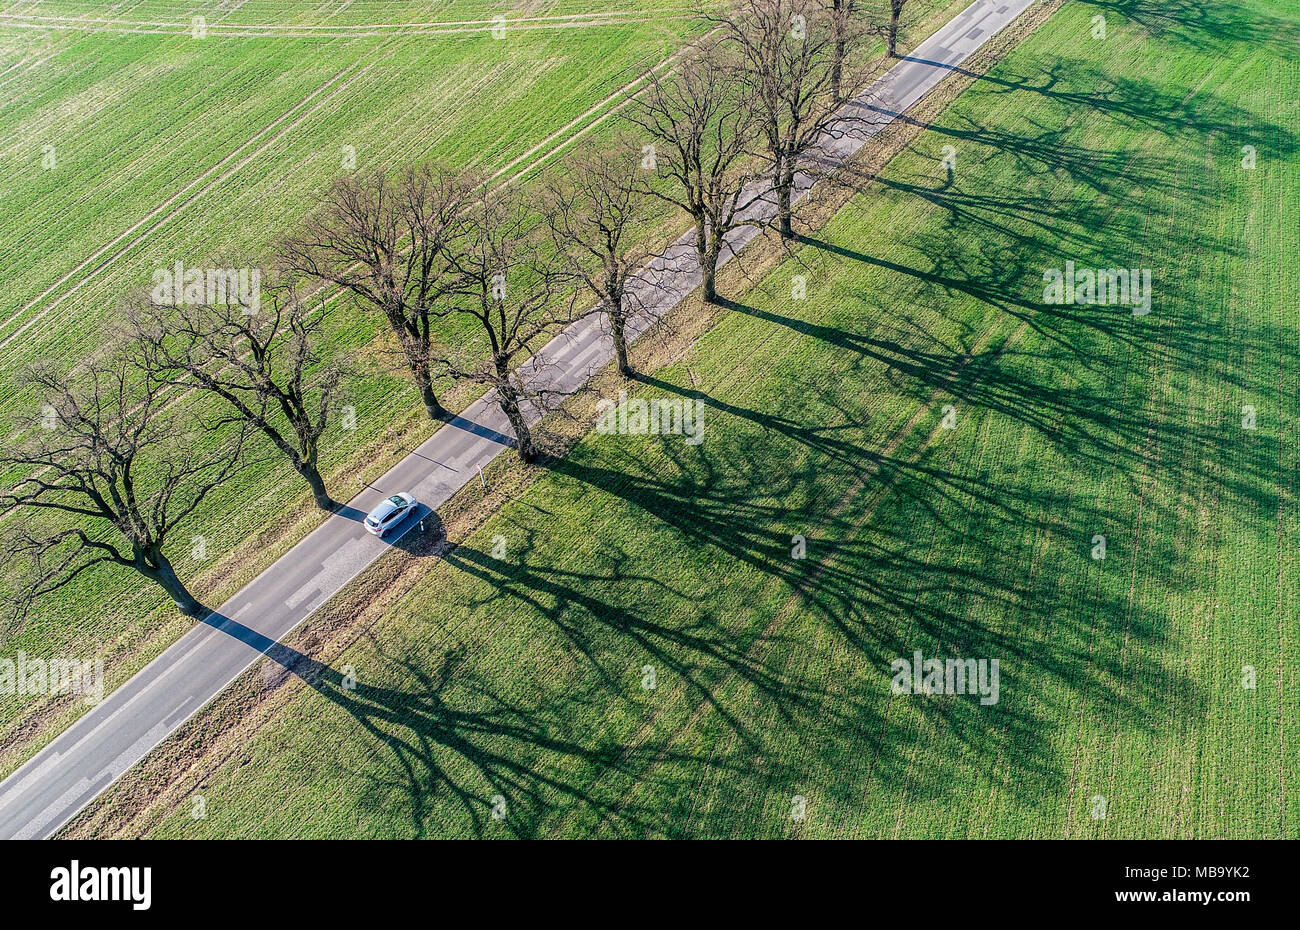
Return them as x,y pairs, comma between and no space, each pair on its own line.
590,212
385,242
119,472
848,28
792,55
512,283
895,14
264,365
701,121
841,23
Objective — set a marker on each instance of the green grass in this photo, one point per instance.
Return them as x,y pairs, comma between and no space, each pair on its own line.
180,148
520,677
257,126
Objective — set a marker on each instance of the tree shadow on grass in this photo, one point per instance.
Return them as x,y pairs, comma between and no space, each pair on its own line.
1084,385
456,743
453,736
1208,26
899,574
1171,112
887,589
1103,428
923,554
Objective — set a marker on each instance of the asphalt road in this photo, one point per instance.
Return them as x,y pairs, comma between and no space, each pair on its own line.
47,791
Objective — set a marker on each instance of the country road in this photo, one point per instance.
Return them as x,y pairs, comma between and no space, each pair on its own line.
48,790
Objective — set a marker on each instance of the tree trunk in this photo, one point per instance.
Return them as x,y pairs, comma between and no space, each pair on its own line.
164,576
509,402
710,284
417,359
837,67
895,10
708,262
616,330
319,493
841,15
784,196
432,406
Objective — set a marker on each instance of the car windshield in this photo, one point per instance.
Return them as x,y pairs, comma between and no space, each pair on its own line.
397,501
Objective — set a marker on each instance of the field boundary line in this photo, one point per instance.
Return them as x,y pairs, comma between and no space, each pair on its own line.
167,216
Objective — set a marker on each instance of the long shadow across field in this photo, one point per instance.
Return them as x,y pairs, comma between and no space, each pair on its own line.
452,736
1208,25
884,593
885,589
914,551
993,248
877,578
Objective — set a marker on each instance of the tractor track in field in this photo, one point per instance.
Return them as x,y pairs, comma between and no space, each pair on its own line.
556,140
624,92
218,29
174,205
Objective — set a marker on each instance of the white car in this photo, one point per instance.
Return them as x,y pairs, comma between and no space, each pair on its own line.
390,512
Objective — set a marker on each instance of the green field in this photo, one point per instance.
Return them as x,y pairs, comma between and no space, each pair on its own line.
516,681
169,147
